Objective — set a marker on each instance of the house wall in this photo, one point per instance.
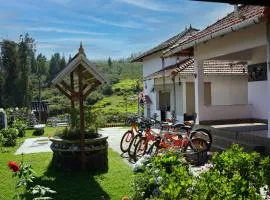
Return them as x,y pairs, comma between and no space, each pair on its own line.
228,90
244,39
229,94
246,44
152,64
257,90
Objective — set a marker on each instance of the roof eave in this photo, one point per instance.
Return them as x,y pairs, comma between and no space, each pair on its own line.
241,25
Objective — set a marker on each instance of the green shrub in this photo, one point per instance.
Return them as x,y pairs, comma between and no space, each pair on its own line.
38,132
235,175
20,125
8,136
165,177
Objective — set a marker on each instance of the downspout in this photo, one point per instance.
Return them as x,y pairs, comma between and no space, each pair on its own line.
174,49
163,76
268,70
174,96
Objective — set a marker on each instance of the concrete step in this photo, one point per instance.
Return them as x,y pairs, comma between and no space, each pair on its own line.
222,143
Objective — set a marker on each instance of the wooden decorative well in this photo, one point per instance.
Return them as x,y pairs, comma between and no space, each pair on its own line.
76,82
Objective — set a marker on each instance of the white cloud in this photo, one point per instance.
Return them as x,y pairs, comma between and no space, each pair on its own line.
58,30
148,4
125,24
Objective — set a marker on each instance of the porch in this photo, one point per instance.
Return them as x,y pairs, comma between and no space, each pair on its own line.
252,136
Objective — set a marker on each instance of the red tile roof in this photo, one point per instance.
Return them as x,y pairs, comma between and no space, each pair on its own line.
183,36
211,67
145,99
246,13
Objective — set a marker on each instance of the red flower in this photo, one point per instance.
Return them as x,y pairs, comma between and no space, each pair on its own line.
13,166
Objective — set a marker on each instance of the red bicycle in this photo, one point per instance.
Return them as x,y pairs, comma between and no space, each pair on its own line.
129,135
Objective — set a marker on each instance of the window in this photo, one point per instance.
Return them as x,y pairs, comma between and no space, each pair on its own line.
257,72
164,100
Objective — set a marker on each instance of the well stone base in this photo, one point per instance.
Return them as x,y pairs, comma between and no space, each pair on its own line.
67,154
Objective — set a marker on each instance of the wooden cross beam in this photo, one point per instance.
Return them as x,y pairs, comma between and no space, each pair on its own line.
63,91
69,88
93,86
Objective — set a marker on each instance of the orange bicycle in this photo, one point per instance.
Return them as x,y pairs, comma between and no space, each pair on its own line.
129,135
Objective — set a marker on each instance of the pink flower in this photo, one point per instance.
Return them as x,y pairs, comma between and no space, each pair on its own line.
13,166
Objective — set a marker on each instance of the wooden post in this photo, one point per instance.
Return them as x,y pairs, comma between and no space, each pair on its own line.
81,118
72,87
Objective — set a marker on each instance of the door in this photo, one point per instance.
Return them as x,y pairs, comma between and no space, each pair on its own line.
190,98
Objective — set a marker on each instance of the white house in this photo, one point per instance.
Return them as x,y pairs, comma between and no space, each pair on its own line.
169,82
241,35
225,84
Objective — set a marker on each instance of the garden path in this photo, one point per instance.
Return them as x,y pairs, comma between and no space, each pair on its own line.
35,145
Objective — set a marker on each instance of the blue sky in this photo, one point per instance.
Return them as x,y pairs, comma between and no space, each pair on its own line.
114,28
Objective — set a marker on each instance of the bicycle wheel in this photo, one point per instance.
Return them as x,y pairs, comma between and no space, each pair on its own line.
196,145
203,134
131,148
154,148
140,148
126,139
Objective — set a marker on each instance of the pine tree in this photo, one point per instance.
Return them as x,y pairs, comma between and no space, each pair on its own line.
63,63
10,66
109,62
41,64
26,60
54,67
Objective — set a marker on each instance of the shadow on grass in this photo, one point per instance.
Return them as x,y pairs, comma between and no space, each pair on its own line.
73,185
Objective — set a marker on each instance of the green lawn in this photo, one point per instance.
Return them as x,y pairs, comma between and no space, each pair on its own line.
114,184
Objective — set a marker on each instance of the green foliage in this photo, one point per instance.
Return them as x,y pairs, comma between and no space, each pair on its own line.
265,168
26,176
106,89
54,66
8,136
94,97
18,59
10,65
20,125
38,132
235,174
75,118
42,66
94,119
165,177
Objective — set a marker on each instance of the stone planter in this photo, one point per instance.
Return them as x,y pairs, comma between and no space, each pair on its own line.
67,153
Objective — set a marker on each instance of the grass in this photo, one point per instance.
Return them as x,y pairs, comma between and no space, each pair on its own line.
117,104
69,185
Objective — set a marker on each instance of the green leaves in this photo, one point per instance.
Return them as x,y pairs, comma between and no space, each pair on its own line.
235,175
26,176
8,136
41,191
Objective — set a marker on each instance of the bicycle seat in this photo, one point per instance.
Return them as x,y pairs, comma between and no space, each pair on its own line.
178,125
189,123
186,128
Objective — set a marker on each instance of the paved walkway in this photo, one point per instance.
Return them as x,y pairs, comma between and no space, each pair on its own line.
42,144
35,145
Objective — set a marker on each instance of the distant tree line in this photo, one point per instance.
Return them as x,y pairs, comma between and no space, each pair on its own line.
21,68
